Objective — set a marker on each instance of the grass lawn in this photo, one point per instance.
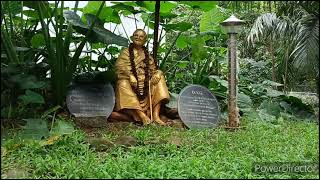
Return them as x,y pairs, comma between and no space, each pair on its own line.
124,150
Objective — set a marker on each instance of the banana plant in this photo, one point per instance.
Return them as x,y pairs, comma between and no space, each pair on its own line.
61,65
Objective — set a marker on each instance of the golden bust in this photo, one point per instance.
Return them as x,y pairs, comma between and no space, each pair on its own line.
141,88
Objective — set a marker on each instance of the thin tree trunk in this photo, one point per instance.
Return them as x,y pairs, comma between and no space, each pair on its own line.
156,31
286,73
273,63
318,86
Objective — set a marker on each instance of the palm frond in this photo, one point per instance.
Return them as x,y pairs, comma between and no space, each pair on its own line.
306,52
262,27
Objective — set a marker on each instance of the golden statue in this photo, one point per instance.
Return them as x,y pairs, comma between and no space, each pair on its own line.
141,88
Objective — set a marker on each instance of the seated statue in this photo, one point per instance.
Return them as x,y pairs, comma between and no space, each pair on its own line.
140,85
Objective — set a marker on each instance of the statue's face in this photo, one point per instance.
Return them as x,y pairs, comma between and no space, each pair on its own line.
139,37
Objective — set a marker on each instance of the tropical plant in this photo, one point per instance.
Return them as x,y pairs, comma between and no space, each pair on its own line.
20,91
297,38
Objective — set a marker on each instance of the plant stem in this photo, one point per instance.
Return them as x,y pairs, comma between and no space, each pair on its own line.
156,31
124,30
171,47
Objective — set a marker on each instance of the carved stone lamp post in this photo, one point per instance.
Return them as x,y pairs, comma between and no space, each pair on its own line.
232,26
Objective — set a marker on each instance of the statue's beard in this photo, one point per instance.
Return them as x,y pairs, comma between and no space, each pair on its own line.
138,43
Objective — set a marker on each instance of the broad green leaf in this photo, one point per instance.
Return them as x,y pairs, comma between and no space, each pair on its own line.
31,13
182,42
181,26
199,52
29,84
296,102
113,16
168,15
244,101
148,19
182,64
297,108
92,7
149,5
90,18
273,93
99,34
38,41
43,4
62,127
271,83
33,4
35,129
76,21
127,3
107,14
210,21
27,81
266,116
270,107
32,97
179,75
73,19
113,50
14,7
286,106
223,82
204,5
166,7
125,8
12,68
218,86
97,45
107,37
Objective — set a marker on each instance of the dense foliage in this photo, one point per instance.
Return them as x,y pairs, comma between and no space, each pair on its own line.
46,46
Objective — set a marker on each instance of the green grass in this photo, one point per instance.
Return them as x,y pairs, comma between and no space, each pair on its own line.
166,152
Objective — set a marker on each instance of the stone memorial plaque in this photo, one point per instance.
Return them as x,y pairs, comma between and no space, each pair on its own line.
91,100
198,107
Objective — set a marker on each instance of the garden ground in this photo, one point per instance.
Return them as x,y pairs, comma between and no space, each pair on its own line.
125,150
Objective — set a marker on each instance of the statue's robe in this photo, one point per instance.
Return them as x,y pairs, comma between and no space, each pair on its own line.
126,97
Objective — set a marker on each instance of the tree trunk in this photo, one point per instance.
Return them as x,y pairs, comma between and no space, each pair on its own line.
286,73
273,63
156,30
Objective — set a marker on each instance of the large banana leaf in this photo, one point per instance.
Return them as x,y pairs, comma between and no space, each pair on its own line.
13,7
165,7
181,26
210,20
107,13
35,129
203,5
99,34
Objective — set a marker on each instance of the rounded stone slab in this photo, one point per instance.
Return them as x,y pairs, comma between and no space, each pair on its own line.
91,100
198,107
